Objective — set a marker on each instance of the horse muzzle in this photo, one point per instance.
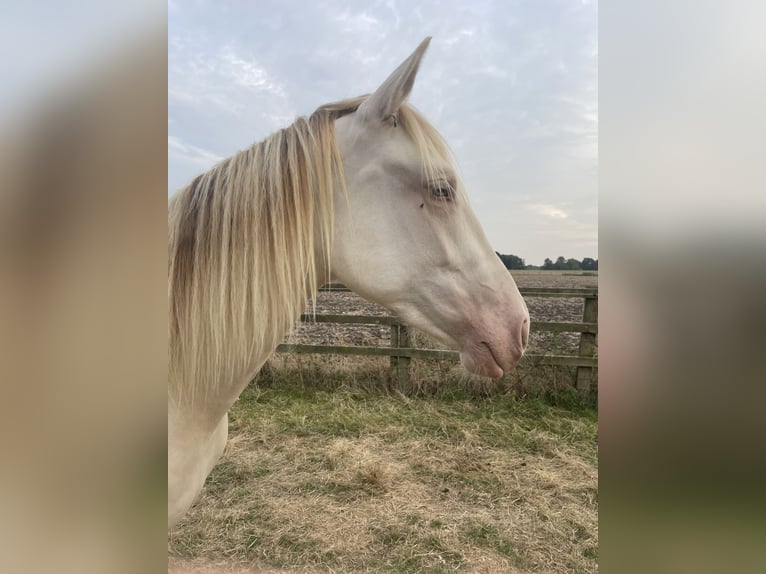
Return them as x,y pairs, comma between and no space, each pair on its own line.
496,352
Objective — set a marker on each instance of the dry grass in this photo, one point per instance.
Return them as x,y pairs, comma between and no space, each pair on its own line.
334,477
330,470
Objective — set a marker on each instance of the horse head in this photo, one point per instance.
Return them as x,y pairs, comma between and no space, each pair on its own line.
405,235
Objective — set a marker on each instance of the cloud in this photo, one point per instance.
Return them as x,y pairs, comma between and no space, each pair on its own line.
191,154
550,211
183,96
356,23
494,71
391,5
247,73
463,34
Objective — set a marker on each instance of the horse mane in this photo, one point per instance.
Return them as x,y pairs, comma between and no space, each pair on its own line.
242,258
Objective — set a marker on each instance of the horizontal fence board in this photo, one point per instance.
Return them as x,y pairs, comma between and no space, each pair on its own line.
369,351
554,290
572,293
553,326
560,360
561,294
564,327
355,319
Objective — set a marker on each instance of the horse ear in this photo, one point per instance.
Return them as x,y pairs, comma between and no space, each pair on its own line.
387,99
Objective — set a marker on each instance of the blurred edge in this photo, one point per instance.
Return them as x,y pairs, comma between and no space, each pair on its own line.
682,287
83,301
83,310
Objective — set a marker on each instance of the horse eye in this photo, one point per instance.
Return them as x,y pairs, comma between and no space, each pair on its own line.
442,192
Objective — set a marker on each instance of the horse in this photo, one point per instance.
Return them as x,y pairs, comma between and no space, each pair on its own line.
364,192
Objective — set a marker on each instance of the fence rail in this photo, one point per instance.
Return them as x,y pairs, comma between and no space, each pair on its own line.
401,352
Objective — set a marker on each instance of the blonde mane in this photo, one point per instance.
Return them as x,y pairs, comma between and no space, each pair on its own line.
243,246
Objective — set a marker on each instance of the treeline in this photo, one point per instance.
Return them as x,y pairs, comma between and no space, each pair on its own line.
516,262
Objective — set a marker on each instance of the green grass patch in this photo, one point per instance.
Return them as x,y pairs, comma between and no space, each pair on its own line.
487,535
410,551
336,476
225,475
288,406
480,533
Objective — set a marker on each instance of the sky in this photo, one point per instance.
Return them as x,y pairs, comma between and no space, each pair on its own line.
511,85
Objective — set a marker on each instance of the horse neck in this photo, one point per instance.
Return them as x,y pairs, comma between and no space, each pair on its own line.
203,414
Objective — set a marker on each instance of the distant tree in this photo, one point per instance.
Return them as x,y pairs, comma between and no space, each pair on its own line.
548,264
512,261
561,263
589,264
517,263
573,264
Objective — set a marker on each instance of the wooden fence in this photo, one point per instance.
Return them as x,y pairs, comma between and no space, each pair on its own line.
401,352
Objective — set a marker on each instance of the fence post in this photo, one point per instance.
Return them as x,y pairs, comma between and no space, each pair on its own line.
587,345
400,366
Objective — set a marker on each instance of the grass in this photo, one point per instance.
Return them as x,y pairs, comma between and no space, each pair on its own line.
327,470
